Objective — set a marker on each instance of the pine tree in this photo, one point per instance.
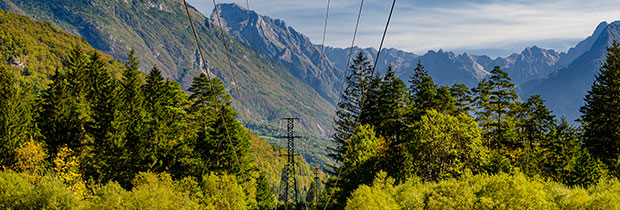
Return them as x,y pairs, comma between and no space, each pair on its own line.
349,107
482,101
422,92
372,113
16,117
393,96
501,103
559,152
535,124
154,90
462,98
444,101
601,112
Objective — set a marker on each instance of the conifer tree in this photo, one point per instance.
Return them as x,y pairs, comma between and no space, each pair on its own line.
393,96
265,197
601,112
110,158
444,101
133,112
218,127
16,117
422,92
462,98
59,117
372,113
482,101
76,63
349,106
495,99
559,152
536,121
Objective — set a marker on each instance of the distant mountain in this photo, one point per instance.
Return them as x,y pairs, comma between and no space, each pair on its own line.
284,44
566,89
448,68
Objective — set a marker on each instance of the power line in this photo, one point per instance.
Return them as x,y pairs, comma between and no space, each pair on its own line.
260,76
217,109
346,68
232,71
364,93
322,50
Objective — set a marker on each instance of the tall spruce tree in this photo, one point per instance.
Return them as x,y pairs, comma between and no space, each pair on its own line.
391,108
16,117
218,128
349,106
77,75
372,114
422,92
534,124
110,159
59,116
133,112
601,112
559,152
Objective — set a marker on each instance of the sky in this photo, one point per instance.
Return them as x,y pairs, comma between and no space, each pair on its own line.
489,27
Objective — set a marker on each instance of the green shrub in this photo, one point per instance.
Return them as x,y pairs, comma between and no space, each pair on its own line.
151,191
379,196
14,190
605,195
223,192
482,191
18,192
450,194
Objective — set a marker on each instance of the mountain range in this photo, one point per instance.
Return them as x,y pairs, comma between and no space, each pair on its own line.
286,75
534,70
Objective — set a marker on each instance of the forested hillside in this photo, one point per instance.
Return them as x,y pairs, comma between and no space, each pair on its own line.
159,32
79,129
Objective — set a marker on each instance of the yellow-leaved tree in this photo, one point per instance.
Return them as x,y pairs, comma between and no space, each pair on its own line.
67,169
31,159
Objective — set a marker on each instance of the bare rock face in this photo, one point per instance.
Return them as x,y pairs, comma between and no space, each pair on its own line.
283,43
18,61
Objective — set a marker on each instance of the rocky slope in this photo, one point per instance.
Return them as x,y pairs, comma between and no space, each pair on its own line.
283,43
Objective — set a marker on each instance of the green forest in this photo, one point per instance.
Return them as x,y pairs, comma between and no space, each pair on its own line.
81,131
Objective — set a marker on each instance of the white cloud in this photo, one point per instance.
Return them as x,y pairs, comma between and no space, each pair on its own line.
419,26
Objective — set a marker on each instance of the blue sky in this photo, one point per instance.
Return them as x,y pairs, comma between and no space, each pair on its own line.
492,27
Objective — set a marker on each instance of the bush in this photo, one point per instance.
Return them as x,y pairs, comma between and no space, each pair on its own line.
151,191
18,192
378,196
499,191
